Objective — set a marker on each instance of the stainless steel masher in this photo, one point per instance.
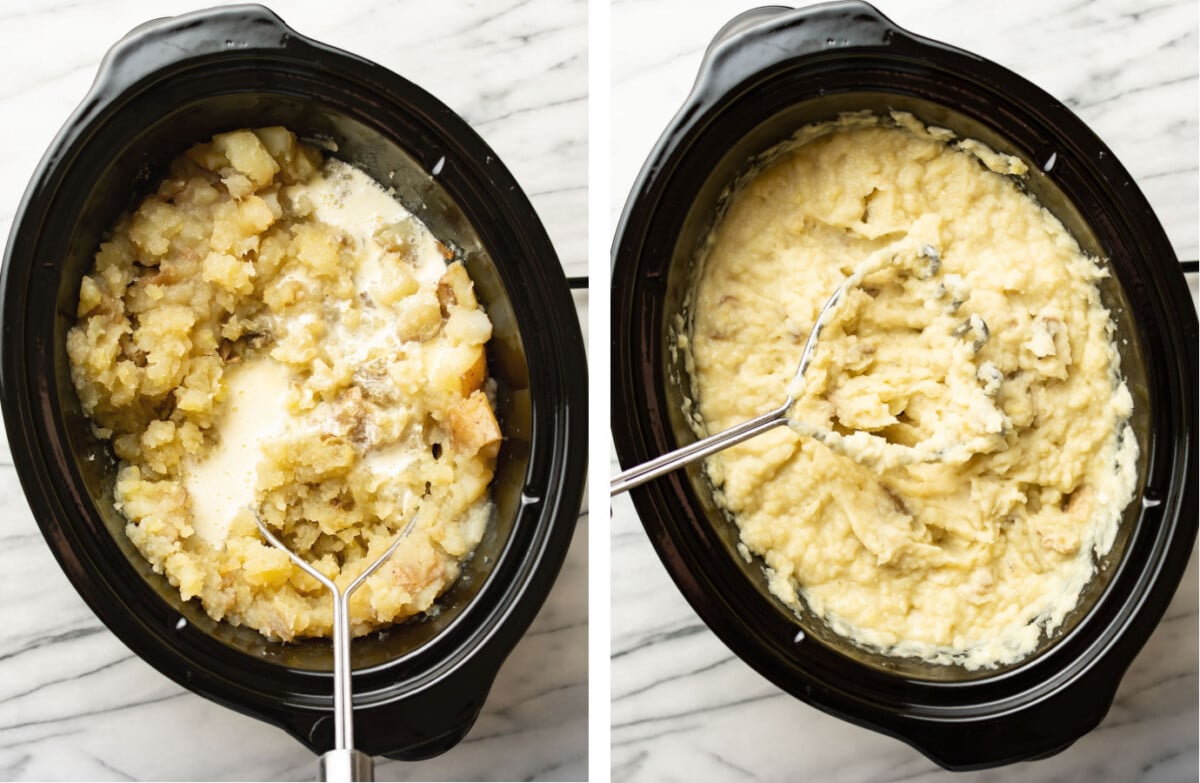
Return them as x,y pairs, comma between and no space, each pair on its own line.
934,449
343,763
647,471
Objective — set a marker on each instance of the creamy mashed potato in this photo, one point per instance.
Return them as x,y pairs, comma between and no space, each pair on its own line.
1003,347
274,334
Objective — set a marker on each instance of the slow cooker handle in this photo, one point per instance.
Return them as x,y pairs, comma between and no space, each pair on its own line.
756,42
145,49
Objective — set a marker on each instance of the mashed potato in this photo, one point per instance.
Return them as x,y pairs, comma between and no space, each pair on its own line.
273,334
971,557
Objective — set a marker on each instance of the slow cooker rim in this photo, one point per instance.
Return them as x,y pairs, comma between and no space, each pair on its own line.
553,467
635,224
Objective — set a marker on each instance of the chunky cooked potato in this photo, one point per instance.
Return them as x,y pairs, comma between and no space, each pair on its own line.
247,342
247,155
473,427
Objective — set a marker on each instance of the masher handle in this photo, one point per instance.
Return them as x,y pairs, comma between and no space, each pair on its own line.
688,454
343,765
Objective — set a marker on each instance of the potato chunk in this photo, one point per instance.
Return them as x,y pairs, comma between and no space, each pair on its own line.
247,154
279,141
474,428
455,288
476,374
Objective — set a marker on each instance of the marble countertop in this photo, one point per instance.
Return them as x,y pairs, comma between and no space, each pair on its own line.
684,708
74,702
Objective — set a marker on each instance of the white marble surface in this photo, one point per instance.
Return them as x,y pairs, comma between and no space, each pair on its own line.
684,708
74,702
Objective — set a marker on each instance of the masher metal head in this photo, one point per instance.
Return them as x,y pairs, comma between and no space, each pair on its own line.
860,446
343,763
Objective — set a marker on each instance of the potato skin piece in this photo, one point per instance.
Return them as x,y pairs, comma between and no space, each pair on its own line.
473,426
476,374
456,288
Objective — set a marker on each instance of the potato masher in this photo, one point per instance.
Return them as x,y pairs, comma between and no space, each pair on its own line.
858,444
343,763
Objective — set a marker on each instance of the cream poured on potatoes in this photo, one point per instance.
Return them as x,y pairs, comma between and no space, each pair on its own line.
967,557
272,333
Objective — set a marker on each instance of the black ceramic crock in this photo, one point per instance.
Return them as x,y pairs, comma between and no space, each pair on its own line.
766,74
169,83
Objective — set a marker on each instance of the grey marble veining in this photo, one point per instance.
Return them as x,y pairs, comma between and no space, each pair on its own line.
684,708
74,702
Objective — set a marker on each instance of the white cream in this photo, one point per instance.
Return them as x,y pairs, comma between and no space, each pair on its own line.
346,198
222,484
391,460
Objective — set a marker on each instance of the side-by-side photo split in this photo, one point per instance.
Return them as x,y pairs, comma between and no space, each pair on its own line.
868,328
